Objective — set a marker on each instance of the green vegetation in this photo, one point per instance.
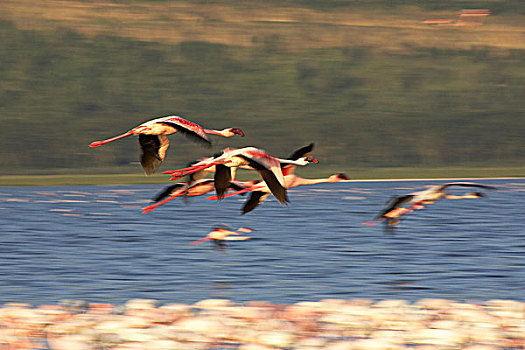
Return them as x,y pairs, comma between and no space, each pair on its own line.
412,96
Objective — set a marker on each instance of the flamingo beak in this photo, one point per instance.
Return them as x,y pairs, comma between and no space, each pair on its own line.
343,176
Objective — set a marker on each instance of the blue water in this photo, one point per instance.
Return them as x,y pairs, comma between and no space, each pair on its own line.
92,243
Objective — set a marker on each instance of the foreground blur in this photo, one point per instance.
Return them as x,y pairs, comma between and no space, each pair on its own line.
333,324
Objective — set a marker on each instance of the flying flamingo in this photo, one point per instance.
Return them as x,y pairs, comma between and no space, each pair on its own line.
393,211
187,189
220,234
269,167
417,200
154,141
260,191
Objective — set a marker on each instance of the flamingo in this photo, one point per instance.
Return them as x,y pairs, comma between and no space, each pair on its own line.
260,191
191,188
268,166
393,211
154,142
220,234
417,200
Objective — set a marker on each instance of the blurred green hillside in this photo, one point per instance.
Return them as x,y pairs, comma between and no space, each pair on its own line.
367,81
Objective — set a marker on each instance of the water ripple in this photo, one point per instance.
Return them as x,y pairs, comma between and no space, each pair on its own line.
92,243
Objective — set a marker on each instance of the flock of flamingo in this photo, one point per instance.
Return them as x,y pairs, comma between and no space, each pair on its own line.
277,174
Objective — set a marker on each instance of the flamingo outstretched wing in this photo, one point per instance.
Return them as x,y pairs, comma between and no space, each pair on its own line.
394,203
168,191
190,129
222,178
300,153
256,198
269,169
464,184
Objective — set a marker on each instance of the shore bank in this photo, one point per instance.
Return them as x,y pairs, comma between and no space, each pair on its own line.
356,174
332,324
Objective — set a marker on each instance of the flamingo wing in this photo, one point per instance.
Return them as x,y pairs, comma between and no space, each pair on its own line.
268,167
396,202
465,184
236,187
222,178
278,190
300,153
154,149
260,160
256,198
168,191
190,129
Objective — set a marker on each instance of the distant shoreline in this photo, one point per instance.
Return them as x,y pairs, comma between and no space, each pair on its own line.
372,175
437,179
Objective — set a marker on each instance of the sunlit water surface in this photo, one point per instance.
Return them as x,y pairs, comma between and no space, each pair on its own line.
93,243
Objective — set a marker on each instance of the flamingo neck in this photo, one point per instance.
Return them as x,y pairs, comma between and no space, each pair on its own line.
313,181
294,162
218,132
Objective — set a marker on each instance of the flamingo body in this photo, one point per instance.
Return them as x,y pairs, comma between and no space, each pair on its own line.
401,205
221,234
268,166
186,189
154,142
260,193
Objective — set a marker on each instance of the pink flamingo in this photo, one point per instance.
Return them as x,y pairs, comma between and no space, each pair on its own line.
401,205
154,142
220,234
260,190
268,166
187,189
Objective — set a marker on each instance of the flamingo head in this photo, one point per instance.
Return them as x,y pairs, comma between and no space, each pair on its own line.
236,131
311,159
337,178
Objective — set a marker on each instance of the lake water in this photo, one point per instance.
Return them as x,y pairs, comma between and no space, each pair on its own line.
93,243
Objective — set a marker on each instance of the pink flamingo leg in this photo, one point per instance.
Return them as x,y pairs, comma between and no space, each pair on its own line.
179,170
152,207
103,142
177,174
214,198
371,223
200,241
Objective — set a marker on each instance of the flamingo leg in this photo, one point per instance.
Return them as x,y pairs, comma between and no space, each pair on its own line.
200,241
244,190
152,207
372,222
169,172
177,174
103,142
